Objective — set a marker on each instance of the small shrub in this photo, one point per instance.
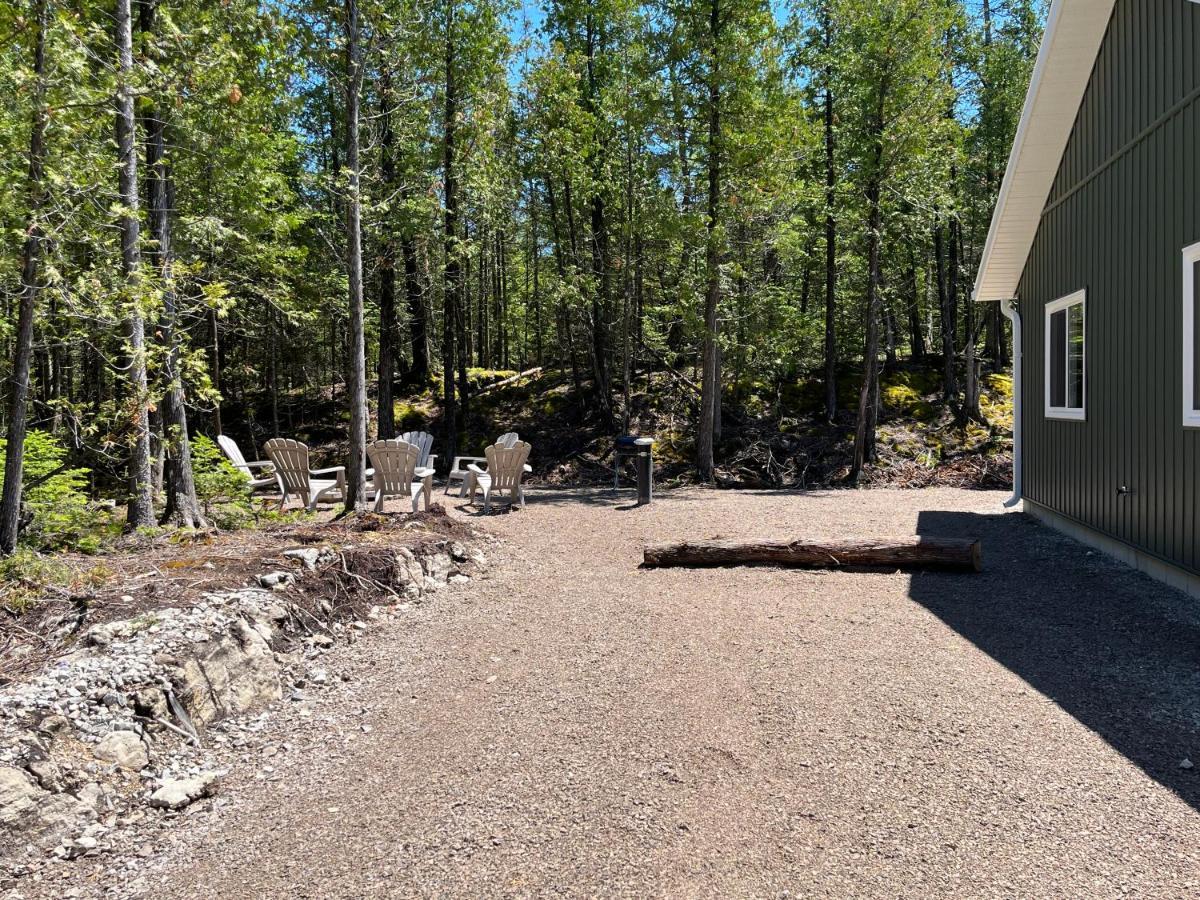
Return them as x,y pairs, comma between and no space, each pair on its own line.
216,477
223,489
23,576
59,514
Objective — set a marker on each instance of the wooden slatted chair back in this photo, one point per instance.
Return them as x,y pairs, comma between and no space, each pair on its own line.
234,452
395,465
291,462
423,441
506,465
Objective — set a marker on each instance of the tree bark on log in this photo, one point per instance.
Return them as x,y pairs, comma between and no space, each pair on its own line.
918,552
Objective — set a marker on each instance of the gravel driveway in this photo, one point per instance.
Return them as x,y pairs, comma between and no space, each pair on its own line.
572,725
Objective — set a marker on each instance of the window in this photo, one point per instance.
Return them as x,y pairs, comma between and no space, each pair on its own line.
1066,359
1191,336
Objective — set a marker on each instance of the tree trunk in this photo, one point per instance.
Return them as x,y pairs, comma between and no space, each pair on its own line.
418,323
462,325
357,376
830,235
386,427
913,552
182,507
949,381
916,337
864,435
141,499
564,311
451,272
14,452
535,256
710,388
214,367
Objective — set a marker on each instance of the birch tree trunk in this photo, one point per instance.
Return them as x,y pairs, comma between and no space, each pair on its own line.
141,499
710,389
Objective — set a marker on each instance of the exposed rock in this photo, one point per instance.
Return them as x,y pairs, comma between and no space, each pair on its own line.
125,748
47,774
409,575
177,793
310,556
437,565
276,581
230,675
18,796
29,813
214,659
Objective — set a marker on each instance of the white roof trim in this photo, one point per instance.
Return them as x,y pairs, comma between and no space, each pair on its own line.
1074,32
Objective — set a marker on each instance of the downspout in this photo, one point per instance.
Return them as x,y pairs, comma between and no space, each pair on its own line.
1014,315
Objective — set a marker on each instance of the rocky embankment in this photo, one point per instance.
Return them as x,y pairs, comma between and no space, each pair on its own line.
143,716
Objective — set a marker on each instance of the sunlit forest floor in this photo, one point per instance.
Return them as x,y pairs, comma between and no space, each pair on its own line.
773,435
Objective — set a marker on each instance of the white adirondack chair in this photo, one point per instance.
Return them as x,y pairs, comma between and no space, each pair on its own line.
459,471
505,469
423,441
234,452
395,473
291,463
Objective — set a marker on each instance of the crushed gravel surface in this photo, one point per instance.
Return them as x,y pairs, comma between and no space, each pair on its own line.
573,725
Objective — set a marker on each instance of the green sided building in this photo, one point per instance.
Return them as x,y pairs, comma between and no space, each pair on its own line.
1094,253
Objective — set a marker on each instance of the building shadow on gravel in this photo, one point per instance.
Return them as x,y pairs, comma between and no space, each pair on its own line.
1115,649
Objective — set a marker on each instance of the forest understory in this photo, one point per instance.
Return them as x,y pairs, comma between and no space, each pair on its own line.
772,435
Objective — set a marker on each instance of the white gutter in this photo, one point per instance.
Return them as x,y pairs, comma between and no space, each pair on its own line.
1014,316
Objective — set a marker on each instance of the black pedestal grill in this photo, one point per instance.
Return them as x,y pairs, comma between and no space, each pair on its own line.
641,451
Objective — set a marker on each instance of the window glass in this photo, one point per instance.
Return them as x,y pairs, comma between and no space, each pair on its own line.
1066,357
1075,356
1058,367
1195,333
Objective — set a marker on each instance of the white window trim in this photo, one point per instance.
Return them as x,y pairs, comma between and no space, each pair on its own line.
1191,416
1066,412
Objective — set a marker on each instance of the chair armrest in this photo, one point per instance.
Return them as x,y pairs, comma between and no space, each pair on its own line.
528,467
431,457
474,468
422,471
459,460
259,464
330,471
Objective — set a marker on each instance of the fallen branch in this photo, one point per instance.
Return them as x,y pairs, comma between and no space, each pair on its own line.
947,553
512,379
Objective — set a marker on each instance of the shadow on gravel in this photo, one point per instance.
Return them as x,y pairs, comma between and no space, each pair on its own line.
621,499
1115,649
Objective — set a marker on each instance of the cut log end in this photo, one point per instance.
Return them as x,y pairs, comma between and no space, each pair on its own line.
892,553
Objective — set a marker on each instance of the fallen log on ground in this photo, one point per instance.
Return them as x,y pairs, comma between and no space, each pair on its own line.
511,379
895,553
